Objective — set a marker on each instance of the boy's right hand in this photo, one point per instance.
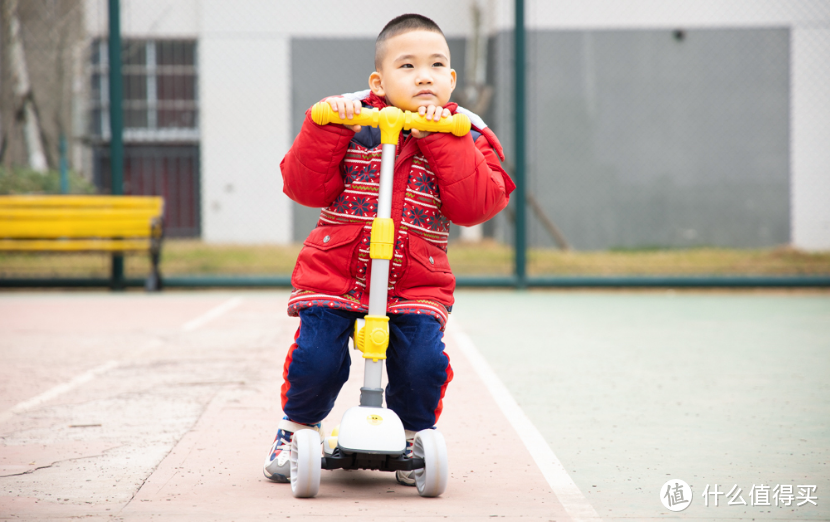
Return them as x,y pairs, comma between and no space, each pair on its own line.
346,109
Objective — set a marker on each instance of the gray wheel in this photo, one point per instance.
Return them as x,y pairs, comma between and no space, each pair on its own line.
305,463
431,480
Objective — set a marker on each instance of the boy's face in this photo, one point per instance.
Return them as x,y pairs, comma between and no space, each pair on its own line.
415,71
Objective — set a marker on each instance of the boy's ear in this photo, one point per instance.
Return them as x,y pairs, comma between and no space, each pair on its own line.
376,84
452,73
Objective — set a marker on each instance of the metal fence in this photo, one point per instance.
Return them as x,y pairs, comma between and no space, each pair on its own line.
675,140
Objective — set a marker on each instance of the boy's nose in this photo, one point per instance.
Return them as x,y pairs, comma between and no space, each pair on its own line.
423,77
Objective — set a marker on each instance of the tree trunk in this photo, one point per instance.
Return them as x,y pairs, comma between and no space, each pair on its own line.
24,98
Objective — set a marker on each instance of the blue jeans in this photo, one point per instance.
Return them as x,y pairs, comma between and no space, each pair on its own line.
317,366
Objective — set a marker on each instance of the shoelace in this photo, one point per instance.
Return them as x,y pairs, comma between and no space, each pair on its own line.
284,443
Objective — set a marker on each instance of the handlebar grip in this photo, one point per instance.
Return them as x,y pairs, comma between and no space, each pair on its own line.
458,124
322,114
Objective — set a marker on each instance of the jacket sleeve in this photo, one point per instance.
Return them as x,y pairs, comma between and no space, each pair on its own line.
311,169
473,185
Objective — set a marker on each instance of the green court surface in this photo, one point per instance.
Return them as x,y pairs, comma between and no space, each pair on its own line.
631,389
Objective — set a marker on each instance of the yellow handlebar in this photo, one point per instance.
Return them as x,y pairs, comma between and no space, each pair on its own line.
322,114
391,121
458,124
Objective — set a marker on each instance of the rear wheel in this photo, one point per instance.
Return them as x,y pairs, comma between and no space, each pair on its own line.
431,480
305,463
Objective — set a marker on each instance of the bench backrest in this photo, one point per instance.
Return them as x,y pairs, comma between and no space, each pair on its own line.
53,217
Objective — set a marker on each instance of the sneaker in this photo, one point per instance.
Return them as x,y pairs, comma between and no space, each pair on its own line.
277,465
407,478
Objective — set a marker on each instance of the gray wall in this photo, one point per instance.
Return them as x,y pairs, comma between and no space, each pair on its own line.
636,138
641,138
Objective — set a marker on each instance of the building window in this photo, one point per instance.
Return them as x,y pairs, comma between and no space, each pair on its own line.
160,80
161,126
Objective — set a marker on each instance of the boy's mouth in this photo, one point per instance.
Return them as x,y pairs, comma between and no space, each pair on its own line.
425,92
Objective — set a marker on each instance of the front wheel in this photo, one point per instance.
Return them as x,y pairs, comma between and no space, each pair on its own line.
431,480
305,463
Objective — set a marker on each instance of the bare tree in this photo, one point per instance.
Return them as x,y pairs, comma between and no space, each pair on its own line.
477,94
26,108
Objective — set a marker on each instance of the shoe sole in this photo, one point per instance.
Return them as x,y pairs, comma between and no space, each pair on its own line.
281,479
403,482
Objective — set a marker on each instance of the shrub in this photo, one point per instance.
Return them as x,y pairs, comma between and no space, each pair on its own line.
18,180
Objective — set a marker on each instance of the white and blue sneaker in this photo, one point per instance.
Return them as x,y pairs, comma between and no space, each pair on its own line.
277,465
407,478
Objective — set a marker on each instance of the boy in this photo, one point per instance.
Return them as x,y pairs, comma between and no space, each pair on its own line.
438,178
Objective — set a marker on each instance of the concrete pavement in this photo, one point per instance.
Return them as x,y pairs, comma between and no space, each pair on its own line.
634,388
138,407
170,421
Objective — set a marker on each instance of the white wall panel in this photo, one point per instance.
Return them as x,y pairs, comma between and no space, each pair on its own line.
147,18
810,145
245,125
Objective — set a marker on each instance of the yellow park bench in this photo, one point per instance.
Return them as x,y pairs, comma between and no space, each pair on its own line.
115,224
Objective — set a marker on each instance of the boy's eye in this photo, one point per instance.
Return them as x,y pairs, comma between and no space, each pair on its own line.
406,66
438,64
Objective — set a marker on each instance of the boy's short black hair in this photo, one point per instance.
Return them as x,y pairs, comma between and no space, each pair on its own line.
402,24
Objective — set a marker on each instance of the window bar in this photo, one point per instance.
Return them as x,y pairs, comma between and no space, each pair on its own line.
152,95
104,64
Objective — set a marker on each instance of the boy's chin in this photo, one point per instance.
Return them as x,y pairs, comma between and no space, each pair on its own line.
416,106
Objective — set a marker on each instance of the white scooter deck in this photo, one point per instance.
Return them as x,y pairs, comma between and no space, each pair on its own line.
366,429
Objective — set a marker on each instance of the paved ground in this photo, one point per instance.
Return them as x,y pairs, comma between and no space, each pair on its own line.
134,406
632,389
175,419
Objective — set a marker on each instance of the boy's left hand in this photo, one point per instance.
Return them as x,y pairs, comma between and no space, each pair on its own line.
432,113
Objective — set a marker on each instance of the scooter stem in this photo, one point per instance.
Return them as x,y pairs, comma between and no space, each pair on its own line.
379,282
380,267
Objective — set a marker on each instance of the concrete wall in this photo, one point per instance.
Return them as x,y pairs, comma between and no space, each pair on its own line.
245,99
245,96
245,59
809,24
810,124
640,138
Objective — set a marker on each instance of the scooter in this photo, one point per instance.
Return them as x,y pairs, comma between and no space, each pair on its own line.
370,436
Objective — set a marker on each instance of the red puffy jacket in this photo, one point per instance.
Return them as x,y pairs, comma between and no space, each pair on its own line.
438,179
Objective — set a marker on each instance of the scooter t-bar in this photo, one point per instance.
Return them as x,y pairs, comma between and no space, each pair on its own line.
372,337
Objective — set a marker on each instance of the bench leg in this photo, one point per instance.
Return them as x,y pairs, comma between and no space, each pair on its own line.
117,272
154,283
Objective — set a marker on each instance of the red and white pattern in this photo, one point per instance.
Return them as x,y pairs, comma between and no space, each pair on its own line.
358,203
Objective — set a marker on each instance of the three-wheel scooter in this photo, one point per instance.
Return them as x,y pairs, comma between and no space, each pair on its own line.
370,436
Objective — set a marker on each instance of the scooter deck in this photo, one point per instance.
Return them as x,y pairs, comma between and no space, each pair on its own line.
341,460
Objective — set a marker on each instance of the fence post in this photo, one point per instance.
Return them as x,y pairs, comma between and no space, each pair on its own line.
64,164
116,126
519,145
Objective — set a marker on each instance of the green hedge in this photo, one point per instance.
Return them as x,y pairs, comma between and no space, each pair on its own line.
27,181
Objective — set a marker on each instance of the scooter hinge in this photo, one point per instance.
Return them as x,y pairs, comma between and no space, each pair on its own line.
373,338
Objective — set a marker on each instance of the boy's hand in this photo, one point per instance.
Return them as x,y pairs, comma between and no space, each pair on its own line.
346,109
432,113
